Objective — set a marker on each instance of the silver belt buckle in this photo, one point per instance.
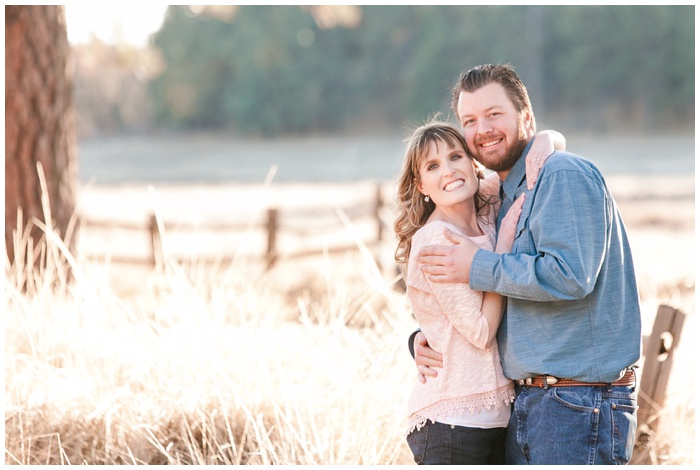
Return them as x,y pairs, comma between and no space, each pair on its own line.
551,380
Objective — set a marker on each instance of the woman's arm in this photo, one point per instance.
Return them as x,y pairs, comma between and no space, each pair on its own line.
558,139
493,303
461,306
545,143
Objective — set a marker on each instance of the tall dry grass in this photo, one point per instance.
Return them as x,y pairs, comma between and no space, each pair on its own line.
232,364
227,364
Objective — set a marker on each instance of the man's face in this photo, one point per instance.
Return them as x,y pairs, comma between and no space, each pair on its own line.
496,133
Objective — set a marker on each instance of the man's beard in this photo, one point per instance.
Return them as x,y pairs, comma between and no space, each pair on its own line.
512,154
509,159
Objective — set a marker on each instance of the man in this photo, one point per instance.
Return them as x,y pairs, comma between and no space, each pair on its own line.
571,331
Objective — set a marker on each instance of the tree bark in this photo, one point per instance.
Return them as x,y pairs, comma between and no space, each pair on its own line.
39,120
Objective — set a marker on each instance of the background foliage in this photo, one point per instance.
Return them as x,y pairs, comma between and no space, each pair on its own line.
288,69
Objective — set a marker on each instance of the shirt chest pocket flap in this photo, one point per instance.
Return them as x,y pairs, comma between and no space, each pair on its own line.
523,236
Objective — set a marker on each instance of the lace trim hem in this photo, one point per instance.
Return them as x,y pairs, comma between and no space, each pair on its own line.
442,408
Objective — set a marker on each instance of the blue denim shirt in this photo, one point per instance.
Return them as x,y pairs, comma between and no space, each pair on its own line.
572,306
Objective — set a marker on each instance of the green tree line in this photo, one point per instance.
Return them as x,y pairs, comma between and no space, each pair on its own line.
289,69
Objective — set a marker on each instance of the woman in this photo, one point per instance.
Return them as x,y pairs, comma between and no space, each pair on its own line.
460,416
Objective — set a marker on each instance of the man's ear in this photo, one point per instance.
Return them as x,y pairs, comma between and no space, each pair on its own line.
527,120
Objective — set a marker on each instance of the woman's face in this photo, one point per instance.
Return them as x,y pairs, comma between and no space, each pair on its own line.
447,175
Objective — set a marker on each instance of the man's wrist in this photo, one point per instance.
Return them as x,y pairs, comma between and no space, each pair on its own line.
481,270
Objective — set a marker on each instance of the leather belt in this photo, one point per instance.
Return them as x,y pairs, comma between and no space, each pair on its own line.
628,379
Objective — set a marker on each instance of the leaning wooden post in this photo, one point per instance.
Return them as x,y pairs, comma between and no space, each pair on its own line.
658,358
271,255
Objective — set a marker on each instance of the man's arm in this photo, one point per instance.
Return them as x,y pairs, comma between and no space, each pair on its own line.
426,358
568,231
411,346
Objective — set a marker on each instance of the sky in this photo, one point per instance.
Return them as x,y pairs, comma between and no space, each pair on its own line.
132,23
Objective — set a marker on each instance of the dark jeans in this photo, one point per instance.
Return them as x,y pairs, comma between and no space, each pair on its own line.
443,444
581,425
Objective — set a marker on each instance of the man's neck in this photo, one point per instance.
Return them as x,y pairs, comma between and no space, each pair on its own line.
502,175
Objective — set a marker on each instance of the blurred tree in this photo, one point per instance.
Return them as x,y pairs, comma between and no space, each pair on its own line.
39,125
262,69
287,69
111,87
617,67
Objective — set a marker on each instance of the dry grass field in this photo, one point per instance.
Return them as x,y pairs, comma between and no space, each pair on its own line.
228,363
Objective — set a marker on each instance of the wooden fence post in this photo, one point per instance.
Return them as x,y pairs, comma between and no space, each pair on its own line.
156,246
378,203
658,358
271,255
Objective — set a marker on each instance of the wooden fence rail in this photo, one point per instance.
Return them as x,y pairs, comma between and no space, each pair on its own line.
316,221
659,346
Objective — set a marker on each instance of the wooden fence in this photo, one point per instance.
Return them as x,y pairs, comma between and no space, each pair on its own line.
273,225
659,346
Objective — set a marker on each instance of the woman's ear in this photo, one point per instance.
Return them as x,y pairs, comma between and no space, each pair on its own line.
419,186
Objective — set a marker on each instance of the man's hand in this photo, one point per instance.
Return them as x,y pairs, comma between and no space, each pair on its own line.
425,357
448,263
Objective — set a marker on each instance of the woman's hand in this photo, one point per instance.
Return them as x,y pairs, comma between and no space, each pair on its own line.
542,148
506,233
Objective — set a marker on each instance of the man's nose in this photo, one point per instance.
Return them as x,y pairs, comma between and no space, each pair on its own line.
484,127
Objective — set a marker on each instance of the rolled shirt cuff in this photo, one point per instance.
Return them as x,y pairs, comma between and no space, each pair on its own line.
481,274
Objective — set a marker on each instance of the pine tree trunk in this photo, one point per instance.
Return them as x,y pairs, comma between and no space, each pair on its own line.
39,121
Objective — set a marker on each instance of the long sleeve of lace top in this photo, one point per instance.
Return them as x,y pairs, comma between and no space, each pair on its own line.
460,304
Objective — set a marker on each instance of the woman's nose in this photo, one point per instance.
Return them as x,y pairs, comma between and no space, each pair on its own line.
449,168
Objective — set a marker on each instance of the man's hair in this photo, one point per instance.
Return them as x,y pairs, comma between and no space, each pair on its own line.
505,75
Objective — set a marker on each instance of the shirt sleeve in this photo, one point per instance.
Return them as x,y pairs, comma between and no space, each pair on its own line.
460,304
559,246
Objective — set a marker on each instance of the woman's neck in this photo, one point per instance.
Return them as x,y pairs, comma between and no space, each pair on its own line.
463,216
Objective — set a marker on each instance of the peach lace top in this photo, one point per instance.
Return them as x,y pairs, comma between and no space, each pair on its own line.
450,316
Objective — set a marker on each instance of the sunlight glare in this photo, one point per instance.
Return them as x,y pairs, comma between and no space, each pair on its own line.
114,23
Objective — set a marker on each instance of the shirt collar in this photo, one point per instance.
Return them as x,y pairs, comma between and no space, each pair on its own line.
516,175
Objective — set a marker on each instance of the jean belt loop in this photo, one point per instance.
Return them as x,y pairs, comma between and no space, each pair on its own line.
610,389
545,384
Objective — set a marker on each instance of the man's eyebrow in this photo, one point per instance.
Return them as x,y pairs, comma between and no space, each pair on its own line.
491,108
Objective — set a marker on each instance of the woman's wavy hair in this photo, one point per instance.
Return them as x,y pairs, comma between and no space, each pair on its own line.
413,210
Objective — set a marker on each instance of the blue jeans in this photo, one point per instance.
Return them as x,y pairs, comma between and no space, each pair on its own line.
581,425
443,444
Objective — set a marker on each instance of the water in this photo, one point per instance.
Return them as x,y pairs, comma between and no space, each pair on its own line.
208,159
